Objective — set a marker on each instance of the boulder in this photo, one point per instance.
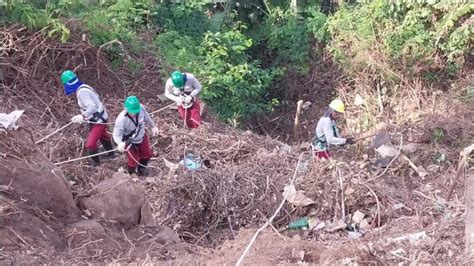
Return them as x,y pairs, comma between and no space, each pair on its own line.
31,178
120,200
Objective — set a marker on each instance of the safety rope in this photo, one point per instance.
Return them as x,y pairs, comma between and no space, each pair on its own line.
101,153
162,109
97,123
127,150
56,131
135,160
85,157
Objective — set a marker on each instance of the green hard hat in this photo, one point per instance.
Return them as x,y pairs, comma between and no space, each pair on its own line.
132,104
178,79
66,76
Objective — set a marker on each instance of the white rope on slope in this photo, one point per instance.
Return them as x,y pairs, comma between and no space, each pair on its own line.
162,109
99,123
271,218
96,123
56,131
135,160
85,157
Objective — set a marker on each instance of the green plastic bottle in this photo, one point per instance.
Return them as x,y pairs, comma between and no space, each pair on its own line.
300,224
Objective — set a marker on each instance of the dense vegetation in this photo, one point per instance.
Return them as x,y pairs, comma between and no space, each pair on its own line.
240,51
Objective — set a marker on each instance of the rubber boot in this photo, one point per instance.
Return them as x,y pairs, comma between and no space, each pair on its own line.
108,147
142,168
131,170
95,161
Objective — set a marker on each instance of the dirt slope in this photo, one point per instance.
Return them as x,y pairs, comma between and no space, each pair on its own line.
215,209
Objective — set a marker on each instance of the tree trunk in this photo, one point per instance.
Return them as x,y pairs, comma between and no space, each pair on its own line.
298,8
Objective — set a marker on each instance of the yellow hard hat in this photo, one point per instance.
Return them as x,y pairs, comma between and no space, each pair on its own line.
337,105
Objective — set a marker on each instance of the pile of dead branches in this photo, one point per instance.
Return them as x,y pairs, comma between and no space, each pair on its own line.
239,184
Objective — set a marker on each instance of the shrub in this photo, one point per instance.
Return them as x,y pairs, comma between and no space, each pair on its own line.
288,40
316,24
408,34
187,20
234,85
178,51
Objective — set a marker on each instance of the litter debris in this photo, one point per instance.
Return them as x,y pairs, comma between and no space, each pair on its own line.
300,224
337,225
359,100
353,235
386,151
296,198
304,165
440,157
306,105
191,161
349,191
398,206
357,217
319,226
398,252
418,169
172,166
8,121
313,222
414,238
285,149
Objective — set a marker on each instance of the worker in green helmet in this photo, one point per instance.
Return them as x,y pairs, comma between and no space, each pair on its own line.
183,89
130,136
93,112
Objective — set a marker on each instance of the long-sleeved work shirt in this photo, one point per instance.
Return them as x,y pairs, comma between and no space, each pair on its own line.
191,87
130,128
327,133
90,104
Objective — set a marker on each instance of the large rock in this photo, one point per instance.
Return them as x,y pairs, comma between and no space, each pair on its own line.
31,178
119,200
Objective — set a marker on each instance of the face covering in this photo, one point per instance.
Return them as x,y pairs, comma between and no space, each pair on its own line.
71,86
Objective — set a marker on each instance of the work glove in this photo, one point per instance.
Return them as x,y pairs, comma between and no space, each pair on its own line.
121,147
180,100
154,131
77,119
350,141
188,99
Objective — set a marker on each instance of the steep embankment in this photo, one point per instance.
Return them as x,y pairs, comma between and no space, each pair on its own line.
363,212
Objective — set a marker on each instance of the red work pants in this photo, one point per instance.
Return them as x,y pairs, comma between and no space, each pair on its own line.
139,152
192,115
322,155
97,132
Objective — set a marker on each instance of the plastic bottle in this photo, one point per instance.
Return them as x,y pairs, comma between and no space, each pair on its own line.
300,224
